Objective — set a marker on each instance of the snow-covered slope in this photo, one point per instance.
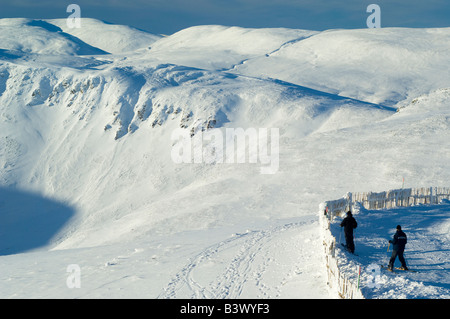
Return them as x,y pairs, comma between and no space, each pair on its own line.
112,38
54,37
110,113
91,135
41,37
221,47
377,65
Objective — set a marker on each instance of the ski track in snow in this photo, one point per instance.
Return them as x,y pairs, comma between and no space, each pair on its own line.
245,259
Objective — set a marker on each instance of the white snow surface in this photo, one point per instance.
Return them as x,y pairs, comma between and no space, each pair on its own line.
87,176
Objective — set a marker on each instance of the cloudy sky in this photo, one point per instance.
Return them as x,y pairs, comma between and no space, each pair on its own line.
169,16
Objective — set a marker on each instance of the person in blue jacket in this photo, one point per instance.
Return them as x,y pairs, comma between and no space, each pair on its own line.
399,242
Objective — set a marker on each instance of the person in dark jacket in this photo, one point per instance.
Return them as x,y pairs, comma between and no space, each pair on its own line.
399,242
349,223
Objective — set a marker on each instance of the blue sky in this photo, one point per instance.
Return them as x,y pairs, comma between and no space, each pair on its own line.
169,16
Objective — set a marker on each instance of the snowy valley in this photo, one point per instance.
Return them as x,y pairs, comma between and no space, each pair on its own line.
87,175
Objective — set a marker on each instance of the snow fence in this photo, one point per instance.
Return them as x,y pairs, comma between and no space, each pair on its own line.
347,283
402,197
338,280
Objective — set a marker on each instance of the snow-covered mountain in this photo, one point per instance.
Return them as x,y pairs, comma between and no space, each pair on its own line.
87,172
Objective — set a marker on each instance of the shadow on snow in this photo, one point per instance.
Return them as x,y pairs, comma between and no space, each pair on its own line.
29,221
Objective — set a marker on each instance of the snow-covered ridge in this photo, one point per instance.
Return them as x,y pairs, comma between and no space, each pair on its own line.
112,38
54,37
41,37
196,99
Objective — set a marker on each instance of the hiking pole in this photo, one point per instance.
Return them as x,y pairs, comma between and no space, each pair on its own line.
359,275
387,256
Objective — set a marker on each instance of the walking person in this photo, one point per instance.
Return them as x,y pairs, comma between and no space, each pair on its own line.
399,242
349,223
